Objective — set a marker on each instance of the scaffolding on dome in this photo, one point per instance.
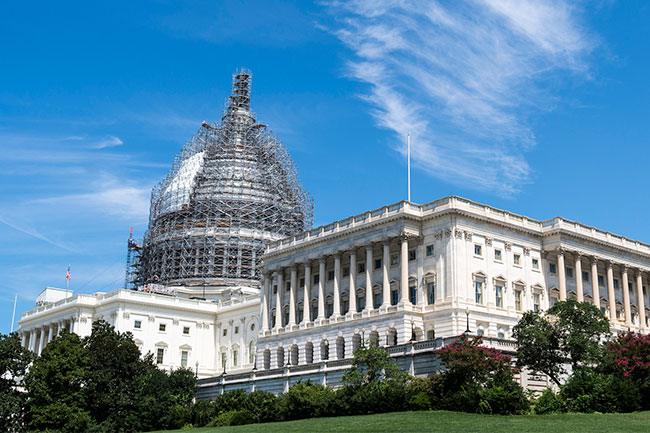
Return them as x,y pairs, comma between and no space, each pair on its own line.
232,189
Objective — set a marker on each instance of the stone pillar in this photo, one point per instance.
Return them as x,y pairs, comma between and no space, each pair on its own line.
292,295
595,290
278,299
404,270
321,289
386,278
23,340
561,274
264,310
640,302
578,268
626,295
41,343
306,294
50,333
337,285
352,291
369,266
32,340
610,292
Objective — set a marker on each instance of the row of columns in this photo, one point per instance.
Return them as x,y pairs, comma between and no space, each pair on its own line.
278,276
37,338
611,295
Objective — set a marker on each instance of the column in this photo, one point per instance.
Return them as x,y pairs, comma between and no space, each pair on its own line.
385,268
404,270
23,340
561,274
626,295
595,290
610,292
32,340
369,266
50,333
640,302
264,311
321,289
352,291
292,295
278,299
306,296
41,343
337,285
578,268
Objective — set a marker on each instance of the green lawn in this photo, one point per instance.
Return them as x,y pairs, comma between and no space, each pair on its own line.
440,421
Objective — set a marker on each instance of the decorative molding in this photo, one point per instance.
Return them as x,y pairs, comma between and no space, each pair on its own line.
438,235
459,234
507,245
175,322
488,241
151,318
526,251
468,236
448,233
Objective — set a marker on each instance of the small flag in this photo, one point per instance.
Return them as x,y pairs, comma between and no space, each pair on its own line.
67,274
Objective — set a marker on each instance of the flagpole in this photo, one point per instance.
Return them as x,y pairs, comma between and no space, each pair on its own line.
408,157
13,315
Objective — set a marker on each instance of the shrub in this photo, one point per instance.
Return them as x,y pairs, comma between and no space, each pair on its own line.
588,391
306,400
548,402
232,417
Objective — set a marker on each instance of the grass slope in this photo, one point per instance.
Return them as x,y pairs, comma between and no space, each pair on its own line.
447,422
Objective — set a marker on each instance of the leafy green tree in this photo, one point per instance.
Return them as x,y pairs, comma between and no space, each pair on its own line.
569,331
14,360
372,364
55,385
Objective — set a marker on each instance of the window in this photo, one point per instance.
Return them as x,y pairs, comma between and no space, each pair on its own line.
235,357
316,278
330,275
518,300
431,334
536,304
615,283
137,324
285,318
272,321
552,268
186,330
413,295
160,353
287,286
478,250
302,282
275,289
236,329
585,276
478,291
251,352
497,255
223,360
480,332
517,259
362,268
376,300
162,327
184,355
535,263
431,293
330,309
361,303
394,297
569,272
499,296
394,259
346,271
252,326
430,250
412,255
501,335
225,332
377,263
601,280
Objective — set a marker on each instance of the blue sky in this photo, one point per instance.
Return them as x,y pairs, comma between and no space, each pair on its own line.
539,107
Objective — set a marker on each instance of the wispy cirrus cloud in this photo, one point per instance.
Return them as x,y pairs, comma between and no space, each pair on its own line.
464,78
109,141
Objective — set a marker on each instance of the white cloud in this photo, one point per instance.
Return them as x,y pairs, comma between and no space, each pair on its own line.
34,233
109,141
463,78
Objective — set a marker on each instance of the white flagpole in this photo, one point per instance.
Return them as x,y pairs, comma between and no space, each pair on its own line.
13,315
408,156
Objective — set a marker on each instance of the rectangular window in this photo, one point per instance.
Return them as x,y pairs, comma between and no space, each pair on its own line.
330,309
345,306
615,283
478,291
497,255
536,304
186,330
377,263
413,295
431,335
137,324
585,276
412,255
518,300
184,356
300,313
225,332
287,286
361,303
330,275
236,329
362,268
499,296
235,357
431,293
601,280
223,360
569,272
394,260
552,268
302,282
430,250
535,263
160,353
478,250
316,278
275,289
376,300
162,327
346,271
394,297
517,259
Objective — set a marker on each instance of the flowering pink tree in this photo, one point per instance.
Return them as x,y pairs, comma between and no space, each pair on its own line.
629,356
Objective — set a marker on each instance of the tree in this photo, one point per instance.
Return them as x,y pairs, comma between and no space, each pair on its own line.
372,364
14,360
570,331
55,385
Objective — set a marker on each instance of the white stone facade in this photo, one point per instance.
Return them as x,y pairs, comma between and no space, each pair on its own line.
208,337
415,272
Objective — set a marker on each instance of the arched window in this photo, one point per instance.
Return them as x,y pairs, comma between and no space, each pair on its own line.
251,352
